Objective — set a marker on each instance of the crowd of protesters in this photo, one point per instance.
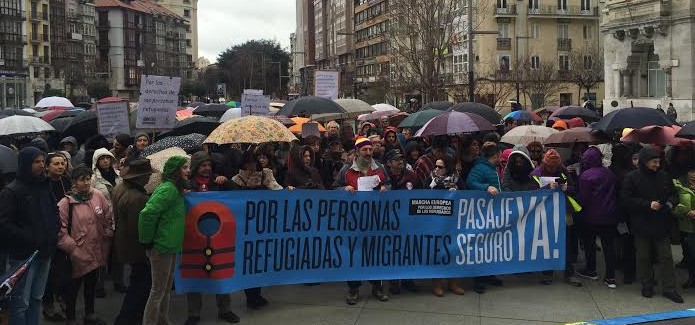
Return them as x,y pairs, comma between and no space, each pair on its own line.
84,205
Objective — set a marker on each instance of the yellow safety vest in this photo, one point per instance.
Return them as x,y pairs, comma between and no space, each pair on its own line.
576,207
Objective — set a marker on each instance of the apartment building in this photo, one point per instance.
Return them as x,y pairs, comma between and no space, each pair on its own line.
530,34
188,9
371,49
304,54
13,66
38,51
139,37
648,55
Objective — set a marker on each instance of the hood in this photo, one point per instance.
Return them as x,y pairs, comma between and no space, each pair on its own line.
592,158
646,154
515,171
70,139
197,159
297,158
522,148
24,161
39,143
504,156
100,153
388,130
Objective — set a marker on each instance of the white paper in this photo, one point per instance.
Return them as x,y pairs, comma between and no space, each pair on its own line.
159,97
367,183
547,180
255,104
113,118
326,84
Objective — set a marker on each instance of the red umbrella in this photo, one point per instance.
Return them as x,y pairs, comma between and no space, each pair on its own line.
655,134
106,100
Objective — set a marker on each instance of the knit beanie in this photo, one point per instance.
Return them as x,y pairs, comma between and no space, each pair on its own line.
361,141
172,166
552,159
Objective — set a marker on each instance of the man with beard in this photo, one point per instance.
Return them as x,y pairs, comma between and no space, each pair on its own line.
363,166
203,180
535,150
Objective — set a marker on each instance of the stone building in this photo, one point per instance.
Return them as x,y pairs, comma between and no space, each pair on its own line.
13,66
649,54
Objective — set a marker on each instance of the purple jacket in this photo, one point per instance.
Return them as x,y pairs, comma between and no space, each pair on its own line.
597,190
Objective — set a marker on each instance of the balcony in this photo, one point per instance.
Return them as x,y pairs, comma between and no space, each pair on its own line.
563,12
37,38
37,60
507,11
504,44
564,44
39,15
9,13
12,39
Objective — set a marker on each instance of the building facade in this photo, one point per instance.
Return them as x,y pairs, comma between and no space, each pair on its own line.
13,65
38,52
188,9
649,54
139,37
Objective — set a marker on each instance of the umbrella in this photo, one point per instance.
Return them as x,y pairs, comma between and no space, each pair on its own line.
526,134
299,121
184,112
661,135
286,121
84,105
195,104
232,104
353,107
568,112
30,111
21,125
13,111
157,160
211,110
8,160
438,105
384,107
196,124
83,126
58,114
523,115
480,109
398,118
455,123
54,101
9,280
687,131
190,143
632,117
231,114
60,123
250,129
309,105
420,118
571,136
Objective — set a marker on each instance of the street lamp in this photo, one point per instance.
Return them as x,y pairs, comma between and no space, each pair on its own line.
516,65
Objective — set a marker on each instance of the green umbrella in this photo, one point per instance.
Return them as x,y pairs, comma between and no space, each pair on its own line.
418,119
232,104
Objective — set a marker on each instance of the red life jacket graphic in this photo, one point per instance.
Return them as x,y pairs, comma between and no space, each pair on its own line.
209,253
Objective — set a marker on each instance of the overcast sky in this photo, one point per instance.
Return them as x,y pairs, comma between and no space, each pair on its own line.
224,23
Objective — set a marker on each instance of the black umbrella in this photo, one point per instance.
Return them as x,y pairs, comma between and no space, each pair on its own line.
568,112
310,105
189,142
633,117
195,104
439,105
8,160
688,131
14,111
197,124
483,110
211,110
83,126
84,105
60,124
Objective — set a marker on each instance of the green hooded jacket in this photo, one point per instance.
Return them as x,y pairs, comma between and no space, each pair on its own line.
162,221
686,202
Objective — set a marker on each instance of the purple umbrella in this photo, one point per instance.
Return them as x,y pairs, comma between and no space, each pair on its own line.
455,123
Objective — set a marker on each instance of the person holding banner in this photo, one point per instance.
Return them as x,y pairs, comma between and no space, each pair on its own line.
365,174
160,230
252,176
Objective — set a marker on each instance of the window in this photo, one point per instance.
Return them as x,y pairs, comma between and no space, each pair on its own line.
37,72
500,3
535,62
187,13
656,80
565,99
460,63
585,5
562,5
587,31
504,63
535,30
503,29
563,31
188,43
564,62
587,62
533,6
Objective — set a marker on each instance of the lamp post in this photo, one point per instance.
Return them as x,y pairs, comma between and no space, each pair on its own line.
516,64
279,76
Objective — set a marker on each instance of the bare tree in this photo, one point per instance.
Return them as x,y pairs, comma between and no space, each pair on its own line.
540,80
586,67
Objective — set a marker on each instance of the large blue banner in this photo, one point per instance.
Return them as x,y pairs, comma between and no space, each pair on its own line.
243,239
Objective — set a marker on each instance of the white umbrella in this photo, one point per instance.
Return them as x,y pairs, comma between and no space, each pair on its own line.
384,107
231,114
19,124
526,134
54,101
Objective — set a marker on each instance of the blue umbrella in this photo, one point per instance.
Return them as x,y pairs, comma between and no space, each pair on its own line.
523,115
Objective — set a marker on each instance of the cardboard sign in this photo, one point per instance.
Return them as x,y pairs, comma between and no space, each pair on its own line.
113,118
159,96
326,84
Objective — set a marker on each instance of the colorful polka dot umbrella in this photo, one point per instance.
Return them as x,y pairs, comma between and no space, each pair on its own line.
250,129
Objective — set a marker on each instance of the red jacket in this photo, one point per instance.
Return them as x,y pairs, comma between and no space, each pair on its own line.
353,173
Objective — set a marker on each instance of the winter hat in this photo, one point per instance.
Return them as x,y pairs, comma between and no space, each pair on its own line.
361,141
560,125
39,143
552,159
576,122
124,139
173,165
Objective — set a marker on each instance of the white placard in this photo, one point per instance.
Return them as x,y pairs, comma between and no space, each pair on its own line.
367,183
255,104
159,97
113,118
326,84
545,181
253,91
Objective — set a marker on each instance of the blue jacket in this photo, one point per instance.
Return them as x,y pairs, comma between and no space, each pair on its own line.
482,175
